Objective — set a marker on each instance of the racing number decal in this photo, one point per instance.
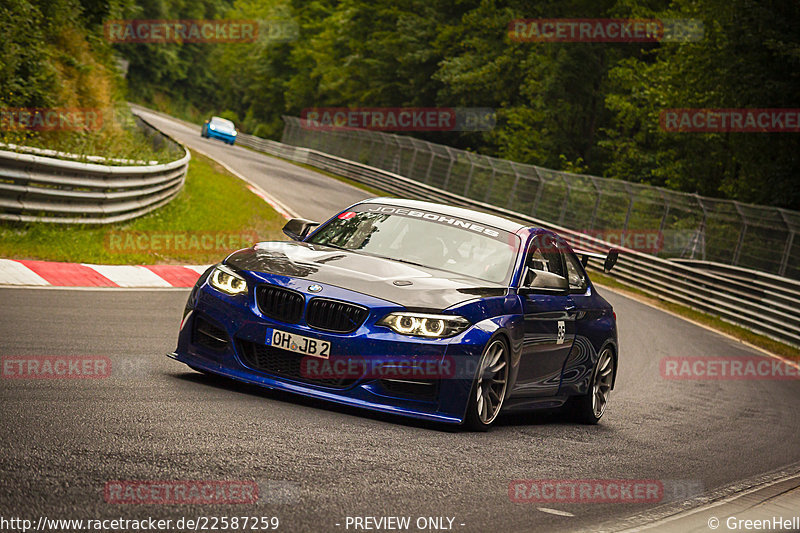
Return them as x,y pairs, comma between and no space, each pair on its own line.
562,332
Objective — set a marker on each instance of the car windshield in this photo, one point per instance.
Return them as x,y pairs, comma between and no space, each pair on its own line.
424,238
222,123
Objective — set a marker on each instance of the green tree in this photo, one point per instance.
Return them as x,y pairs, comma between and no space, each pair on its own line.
748,58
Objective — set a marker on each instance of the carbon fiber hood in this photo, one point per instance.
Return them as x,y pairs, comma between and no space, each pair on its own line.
412,286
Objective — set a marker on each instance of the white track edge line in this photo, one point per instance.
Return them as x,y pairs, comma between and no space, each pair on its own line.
710,505
282,209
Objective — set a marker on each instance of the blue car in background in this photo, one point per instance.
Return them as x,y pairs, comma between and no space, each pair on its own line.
219,128
413,308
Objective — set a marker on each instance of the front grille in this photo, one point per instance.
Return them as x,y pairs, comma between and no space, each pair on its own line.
209,335
282,363
281,304
333,315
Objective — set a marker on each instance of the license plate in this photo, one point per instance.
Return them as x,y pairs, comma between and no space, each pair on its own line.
298,343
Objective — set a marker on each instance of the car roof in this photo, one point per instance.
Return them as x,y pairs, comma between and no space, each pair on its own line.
460,212
223,120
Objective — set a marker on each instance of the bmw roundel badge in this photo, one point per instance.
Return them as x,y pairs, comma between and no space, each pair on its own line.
314,288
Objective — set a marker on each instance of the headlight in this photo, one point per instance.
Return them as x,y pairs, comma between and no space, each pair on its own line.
211,126
226,280
420,325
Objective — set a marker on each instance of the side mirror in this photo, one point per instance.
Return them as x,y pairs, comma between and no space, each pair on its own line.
298,228
545,283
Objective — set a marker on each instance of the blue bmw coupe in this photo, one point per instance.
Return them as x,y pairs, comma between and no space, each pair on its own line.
414,308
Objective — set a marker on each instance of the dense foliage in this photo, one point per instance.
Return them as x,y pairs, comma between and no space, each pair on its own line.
589,107
53,55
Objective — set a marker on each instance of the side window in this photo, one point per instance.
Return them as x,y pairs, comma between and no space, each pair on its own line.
577,281
545,267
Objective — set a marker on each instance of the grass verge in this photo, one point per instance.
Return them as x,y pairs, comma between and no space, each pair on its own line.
195,119
214,214
711,321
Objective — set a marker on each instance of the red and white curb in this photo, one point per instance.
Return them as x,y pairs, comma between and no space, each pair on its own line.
31,273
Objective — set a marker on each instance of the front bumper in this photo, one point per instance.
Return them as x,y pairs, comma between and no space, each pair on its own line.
216,134
243,324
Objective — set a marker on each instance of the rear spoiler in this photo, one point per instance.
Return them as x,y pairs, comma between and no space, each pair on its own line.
609,259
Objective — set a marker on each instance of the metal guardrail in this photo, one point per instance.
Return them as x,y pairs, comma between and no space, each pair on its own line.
37,188
697,227
286,151
776,286
753,306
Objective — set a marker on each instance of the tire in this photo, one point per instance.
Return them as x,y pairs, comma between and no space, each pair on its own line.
488,390
590,407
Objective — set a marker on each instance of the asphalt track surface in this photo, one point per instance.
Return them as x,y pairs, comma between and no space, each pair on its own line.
316,464
311,195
